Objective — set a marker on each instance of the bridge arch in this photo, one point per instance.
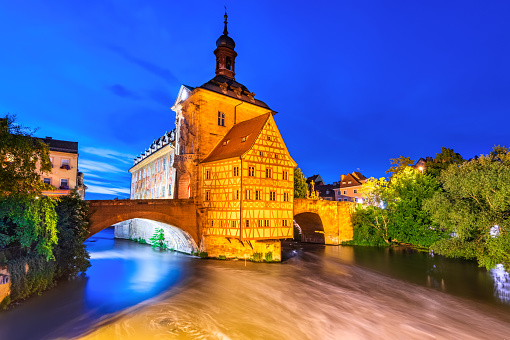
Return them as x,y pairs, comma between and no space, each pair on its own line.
178,213
312,229
330,218
139,228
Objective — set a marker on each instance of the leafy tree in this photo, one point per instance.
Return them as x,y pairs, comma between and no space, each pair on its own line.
70,254
475,200
22,159
30,222
443,161
300,186
399,164
393,211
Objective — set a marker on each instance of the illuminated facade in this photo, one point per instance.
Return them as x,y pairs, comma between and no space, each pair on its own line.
153,175
350,187
64,175
231,159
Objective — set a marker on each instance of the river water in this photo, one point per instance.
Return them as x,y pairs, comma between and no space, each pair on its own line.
317,292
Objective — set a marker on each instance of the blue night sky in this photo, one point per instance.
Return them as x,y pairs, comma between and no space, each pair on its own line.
355,82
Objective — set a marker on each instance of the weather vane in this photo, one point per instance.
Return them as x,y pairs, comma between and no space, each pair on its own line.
226,16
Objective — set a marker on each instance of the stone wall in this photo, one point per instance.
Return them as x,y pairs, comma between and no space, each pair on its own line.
233,248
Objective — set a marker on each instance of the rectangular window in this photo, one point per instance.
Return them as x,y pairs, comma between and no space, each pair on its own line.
261,154
247,223
251,171
207,174
268,137
47,181
207,195
65,161
221,118
233,224
164,165
284,223
260,223
248,194
163,191
258,195
286,196
355,191
266,223
272,196
64,184
236,171
268,173
345,192
235,195
285,175
212,223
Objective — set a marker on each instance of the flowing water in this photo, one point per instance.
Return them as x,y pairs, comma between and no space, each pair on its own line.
317,292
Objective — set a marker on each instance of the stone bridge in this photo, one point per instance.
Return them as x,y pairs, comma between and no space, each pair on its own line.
326,222
323,221
180,213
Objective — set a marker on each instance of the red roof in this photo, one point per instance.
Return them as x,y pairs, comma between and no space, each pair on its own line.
239,139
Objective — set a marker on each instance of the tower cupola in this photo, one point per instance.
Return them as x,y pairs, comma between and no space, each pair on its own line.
225,54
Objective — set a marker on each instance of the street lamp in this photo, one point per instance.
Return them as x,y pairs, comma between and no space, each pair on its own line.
421,169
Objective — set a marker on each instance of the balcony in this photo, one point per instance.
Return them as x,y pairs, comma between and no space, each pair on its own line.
64,187
65,166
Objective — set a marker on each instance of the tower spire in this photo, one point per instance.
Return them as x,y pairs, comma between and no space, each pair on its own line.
225,16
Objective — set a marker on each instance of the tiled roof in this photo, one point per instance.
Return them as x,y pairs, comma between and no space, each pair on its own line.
359,176
349,181
244,94
60,145
326,190
232,145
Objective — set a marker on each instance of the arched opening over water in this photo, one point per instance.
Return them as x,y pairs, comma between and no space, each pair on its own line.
143,229
310,224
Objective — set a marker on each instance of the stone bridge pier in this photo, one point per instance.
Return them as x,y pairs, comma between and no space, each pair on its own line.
321,221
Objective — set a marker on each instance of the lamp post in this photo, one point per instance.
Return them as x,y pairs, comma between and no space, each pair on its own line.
421,169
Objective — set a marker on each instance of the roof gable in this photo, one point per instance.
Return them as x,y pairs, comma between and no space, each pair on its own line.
239,139
184,93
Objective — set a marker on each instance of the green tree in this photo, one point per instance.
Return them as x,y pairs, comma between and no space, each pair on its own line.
300,186
399,164
393,211
71,255
22,160
30,222
158,239
443,161
474,203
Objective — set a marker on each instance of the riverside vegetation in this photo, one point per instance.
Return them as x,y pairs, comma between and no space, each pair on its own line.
453,207
41,238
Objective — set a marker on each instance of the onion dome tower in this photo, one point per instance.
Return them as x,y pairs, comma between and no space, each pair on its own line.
225,54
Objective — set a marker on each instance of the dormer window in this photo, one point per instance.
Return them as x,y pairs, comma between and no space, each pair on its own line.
226,142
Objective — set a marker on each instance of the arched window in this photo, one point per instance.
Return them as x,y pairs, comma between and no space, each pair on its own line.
228,63
217,63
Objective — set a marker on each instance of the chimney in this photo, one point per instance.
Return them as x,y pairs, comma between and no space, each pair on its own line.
342,177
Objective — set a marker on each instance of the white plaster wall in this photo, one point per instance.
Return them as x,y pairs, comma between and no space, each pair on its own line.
175,238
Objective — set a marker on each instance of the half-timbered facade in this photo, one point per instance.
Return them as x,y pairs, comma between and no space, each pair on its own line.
248,183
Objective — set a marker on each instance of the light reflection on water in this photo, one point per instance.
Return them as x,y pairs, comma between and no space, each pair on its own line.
318,292
123,274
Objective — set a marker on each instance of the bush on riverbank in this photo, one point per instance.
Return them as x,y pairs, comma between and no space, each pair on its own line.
394,213
32,273
461,210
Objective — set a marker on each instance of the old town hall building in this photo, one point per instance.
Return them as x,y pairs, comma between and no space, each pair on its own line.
230,158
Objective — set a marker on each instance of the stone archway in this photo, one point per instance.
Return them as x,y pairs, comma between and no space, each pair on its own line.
312,229
140,228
